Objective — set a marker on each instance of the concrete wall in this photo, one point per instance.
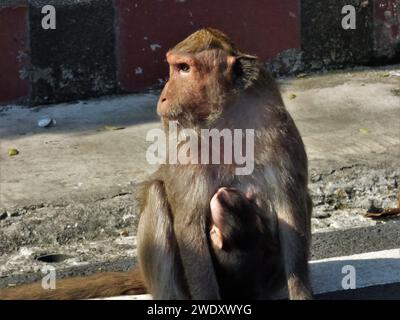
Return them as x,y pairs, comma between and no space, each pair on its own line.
112,46
146,29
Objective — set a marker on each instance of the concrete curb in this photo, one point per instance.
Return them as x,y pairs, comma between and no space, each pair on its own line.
372,269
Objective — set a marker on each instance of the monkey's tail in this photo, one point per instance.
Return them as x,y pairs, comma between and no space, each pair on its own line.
107,284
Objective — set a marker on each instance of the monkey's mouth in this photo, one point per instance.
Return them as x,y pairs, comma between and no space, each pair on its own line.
189,120
174,114
184,119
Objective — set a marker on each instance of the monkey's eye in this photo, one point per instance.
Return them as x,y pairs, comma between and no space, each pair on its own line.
183,67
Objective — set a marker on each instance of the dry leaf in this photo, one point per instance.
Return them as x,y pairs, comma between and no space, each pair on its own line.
12,152
124,233
113,128
292,96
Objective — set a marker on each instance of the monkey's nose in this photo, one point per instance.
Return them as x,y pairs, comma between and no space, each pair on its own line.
162,107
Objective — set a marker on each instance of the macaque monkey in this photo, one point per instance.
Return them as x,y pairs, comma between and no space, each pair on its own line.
238,241
213,85
251,238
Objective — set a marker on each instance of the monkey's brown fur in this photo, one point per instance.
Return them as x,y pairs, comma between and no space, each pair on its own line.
214,85
105,284
238,241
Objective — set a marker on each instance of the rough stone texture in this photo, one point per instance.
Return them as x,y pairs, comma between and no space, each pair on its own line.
70,222
77,59
83,258
350,190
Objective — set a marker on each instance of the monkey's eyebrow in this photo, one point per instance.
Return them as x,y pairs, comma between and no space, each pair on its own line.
181,58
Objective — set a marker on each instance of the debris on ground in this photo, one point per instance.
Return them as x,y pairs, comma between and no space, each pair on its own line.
394,73
46,122
12,152
114,128
384,213
301,75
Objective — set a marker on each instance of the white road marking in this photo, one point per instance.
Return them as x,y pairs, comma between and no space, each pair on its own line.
372,268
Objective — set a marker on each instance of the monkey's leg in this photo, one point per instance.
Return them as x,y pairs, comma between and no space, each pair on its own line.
157,249
294,234
196,258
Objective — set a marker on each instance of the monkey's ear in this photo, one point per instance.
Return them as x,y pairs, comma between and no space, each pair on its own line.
230,68
216,236
231,60
246,70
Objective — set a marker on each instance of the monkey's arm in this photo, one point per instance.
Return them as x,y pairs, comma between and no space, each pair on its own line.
157,248
196,258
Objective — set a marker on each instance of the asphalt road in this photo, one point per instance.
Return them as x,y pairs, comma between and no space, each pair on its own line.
380,292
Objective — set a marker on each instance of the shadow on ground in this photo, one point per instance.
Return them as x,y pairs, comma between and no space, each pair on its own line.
85,117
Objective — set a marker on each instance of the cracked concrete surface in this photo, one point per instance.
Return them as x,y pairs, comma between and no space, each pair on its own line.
69,190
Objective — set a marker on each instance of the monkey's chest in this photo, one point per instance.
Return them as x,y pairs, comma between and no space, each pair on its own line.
191,187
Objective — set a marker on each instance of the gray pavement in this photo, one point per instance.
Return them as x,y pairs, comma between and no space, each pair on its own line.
69,190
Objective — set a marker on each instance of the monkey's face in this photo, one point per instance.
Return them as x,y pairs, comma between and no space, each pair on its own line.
198,85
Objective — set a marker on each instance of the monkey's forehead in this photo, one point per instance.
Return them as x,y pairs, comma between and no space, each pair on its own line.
206,39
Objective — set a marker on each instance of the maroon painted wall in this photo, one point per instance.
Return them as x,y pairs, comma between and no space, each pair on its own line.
147,29
13,45
132,37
